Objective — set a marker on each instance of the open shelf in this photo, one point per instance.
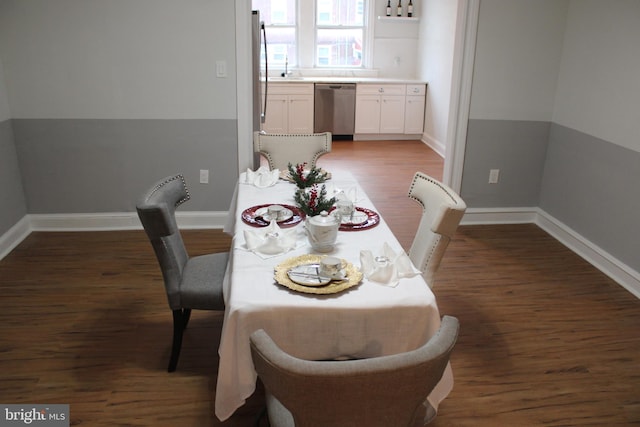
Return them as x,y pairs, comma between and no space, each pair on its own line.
398,19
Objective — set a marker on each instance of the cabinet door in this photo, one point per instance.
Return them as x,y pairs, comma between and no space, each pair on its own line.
276,120
414,114
392,114
367,114
300,113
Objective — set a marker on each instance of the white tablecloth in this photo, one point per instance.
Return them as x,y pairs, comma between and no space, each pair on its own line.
365,321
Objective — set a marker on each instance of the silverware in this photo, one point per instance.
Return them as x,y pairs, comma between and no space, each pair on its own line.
318,277
308,275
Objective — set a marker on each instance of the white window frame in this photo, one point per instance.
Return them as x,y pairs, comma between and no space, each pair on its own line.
306,44
365,25
306,36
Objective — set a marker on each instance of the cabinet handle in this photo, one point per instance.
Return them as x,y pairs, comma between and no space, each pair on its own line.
381,90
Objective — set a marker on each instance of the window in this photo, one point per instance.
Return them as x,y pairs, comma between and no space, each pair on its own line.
339,33
279,18
314,33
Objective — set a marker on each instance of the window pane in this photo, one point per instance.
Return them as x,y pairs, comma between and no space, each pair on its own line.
340,12
276,12
339,48
281,46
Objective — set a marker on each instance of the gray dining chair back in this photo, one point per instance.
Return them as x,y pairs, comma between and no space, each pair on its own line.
190,282
442,211
386,391
280,149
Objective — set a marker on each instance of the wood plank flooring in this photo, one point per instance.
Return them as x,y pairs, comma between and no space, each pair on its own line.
545,340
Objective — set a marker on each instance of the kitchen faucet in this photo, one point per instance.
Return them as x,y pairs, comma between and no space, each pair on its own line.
286,73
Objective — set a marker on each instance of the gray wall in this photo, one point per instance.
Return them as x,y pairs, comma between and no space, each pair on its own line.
512,98
107,97
102,165
13,206
592,185
518,149
554,107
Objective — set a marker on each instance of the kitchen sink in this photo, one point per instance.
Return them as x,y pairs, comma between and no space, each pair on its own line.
286,79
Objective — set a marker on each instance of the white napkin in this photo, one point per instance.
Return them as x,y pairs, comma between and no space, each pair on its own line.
262,177
270,241
386,273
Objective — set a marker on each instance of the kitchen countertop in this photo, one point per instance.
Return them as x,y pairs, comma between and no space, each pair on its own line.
319,79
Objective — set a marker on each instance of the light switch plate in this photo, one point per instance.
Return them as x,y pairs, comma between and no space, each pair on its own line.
221,68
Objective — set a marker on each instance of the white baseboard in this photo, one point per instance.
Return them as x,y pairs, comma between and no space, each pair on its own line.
596,256
120,221
14,236
624,275
434,144
499,216
385,137
99,222
599,258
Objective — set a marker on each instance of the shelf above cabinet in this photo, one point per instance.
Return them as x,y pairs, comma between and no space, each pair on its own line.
398,19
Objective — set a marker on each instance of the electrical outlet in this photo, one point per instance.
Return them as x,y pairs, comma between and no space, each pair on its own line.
494,176
204,176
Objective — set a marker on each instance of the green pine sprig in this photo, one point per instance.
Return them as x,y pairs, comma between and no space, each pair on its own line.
305,179
314,201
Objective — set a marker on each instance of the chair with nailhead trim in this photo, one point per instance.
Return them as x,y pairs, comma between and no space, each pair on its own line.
442,210
190,282
280,150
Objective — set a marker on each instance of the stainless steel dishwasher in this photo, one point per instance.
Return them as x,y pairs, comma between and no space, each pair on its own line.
335,108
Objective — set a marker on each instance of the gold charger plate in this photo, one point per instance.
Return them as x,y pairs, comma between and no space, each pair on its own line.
353,276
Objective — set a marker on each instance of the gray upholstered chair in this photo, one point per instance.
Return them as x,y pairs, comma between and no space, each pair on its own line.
280,150
190,283
442,210
386,391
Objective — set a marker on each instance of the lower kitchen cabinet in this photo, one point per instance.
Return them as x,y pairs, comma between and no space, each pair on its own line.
379,108
414,109
289,108
389,109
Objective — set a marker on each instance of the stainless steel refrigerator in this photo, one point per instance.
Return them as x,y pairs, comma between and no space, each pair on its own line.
259,51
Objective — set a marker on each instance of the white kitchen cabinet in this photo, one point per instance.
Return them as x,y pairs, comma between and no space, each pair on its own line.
289,108
367,113
276,118
380,108
392,114
414,109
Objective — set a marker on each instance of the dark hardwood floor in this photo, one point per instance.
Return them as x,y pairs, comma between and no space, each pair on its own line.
545,339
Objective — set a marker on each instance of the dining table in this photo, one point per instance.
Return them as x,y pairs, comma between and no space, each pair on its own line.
367,319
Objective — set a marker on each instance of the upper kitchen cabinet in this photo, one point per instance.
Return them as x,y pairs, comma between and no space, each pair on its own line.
289,108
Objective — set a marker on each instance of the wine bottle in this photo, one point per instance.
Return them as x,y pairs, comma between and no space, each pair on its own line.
410,9
399,8
388,7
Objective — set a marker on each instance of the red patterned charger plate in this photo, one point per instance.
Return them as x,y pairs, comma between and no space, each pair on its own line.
372,220
249,216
